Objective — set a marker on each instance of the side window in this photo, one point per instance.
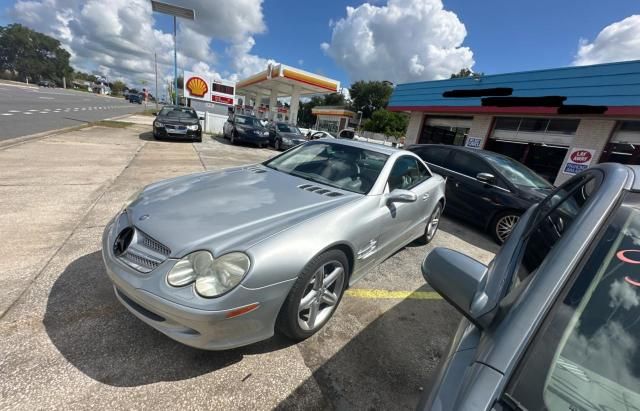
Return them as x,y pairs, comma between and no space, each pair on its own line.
406,173
433,155
587,353
468,164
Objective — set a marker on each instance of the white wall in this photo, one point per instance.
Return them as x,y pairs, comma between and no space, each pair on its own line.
214,123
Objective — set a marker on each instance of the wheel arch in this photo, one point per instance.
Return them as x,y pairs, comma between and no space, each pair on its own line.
348,252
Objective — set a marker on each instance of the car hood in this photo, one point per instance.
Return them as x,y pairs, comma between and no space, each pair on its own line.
228,209
181,121
293,136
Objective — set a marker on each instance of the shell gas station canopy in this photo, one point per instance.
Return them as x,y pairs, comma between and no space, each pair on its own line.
279,80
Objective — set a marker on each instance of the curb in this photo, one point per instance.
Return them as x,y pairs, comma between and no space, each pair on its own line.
18,84
37,136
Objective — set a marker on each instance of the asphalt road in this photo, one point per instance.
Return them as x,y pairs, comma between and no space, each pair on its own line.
28,110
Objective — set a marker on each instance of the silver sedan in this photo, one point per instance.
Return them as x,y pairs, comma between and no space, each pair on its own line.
221,259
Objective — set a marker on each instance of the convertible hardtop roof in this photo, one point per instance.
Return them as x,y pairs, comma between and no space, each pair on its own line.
362,144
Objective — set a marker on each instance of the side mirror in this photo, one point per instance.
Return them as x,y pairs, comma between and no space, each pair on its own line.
200,118
459,279
486,177
401,196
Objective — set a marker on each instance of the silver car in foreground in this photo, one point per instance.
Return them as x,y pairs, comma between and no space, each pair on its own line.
217,260
553,323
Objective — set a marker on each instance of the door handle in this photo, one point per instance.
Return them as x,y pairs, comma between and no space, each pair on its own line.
425,197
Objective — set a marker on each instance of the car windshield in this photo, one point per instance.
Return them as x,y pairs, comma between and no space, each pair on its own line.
349,168
249,121
518,173
178,112
286,128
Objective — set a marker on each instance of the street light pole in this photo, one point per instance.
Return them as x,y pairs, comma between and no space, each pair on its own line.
175,61
359,119
175,11
155,60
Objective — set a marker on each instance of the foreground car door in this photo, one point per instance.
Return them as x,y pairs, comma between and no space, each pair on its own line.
403,222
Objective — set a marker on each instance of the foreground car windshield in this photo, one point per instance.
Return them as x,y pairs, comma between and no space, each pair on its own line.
349,168
517,173
178,113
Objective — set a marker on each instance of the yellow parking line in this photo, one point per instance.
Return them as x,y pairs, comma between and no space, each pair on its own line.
400,295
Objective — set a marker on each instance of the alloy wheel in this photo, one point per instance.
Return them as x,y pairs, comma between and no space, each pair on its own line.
505,225
321,295
432,227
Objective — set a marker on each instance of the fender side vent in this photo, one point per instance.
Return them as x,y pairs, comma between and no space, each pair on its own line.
319,190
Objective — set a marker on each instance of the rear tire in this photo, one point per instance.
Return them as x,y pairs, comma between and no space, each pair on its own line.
314,296
502,225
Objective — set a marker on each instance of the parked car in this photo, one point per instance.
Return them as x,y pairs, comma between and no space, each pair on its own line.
283,136
217,260
177,122
320,134
247,129
46,83
350,134
483,187
135,98
553,322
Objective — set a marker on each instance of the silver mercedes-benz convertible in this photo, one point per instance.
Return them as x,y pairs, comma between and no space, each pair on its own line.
221,259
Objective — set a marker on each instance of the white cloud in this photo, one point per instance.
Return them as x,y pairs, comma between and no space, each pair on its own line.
622,294
119,38
619,41
405,40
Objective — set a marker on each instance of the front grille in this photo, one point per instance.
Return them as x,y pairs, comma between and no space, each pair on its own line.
140,260
154,245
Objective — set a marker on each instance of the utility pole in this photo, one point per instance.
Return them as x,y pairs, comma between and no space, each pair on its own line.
155,59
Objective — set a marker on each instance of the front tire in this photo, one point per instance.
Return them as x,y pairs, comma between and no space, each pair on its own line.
503,224
232,139
314,296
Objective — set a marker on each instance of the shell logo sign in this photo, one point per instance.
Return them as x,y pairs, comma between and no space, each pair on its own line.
197,86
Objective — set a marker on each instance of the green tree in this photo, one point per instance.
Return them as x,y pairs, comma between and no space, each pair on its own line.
370,96
28,54
465,72
334,99
387,122
118,87
305,116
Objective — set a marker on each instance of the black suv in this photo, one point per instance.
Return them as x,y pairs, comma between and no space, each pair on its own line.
483,187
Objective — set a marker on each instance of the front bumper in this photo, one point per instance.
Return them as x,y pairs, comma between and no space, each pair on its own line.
292,143
161,132
253,138
199,322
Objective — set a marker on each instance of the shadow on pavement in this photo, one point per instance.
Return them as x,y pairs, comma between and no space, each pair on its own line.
469,233
148,136
386,366
96,334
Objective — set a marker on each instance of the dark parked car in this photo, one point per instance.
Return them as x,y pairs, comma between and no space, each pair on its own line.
553,323
246,129
177,122
283,136
135,98
483,187
46,83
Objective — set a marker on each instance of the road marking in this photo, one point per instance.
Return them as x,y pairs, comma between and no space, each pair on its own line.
14,111
46,98
32,110
27,112
398,295
46,109
44,112
7,114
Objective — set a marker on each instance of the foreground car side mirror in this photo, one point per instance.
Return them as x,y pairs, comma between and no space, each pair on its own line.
401,196
486,177
460,279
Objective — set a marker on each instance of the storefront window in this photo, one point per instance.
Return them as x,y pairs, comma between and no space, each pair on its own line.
328,125
546,160
537,125
443,135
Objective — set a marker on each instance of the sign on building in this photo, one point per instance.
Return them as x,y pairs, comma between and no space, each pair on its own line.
579,160
473,142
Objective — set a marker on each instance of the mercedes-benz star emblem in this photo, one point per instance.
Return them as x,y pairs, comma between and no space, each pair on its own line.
143,217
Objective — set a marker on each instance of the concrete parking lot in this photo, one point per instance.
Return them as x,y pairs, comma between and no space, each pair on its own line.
66,342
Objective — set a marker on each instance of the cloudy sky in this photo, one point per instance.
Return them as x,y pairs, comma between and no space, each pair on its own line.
396,40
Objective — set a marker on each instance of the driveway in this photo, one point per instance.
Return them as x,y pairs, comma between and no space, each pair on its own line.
68,343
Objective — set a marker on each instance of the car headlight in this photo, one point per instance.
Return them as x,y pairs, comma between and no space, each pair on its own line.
265,133
192,127
287,140
158,124
212,277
